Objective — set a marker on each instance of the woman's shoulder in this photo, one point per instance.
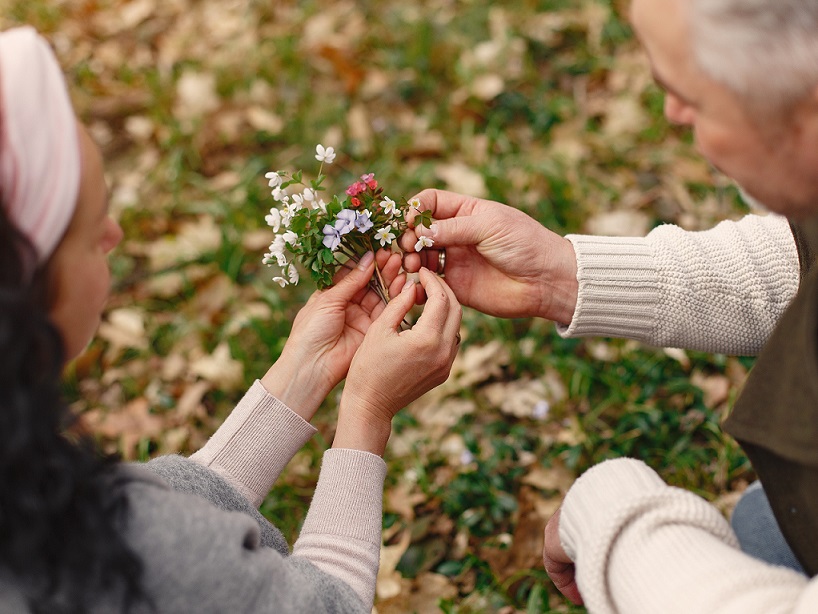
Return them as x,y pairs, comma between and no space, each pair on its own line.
203,551
183,489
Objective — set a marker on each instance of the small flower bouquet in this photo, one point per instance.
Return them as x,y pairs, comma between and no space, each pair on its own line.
324,236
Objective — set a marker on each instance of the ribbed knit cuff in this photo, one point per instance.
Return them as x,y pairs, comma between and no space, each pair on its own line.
600,490
618,288
255,443
348,498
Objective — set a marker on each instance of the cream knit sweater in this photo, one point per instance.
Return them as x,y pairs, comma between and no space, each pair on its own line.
641,546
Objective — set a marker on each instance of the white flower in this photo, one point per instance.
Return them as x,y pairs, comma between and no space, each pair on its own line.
280,195
281,259
268,258
286,217
290,237
280,281
292,273
275,179
273,219
389,206
423,242
309,194
277,246
324,155
320,204
288,213
384,236
414,203
298,200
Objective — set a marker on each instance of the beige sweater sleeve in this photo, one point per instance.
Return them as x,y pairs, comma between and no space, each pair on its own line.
721,290
342,532
641,546
252,447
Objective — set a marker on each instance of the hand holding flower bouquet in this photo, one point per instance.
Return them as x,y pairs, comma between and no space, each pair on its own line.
324,236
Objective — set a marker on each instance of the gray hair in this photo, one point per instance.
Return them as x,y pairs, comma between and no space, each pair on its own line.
765,51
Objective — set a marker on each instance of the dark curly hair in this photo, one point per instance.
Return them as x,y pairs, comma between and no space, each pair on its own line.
60,518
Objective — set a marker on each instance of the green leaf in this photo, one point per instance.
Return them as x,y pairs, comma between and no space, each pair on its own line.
450,568
424,218
327,255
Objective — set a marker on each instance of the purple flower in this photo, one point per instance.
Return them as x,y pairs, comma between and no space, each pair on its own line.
362,222
332,238
345,221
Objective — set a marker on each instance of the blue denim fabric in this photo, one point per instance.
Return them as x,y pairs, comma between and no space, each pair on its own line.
758,532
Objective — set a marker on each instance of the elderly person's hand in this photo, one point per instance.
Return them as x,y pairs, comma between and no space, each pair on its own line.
327,332
393,367
558,566
498,259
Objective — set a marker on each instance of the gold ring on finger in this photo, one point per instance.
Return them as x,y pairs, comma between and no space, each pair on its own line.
441,261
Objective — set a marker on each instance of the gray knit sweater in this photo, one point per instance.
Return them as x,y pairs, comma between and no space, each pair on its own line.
206,549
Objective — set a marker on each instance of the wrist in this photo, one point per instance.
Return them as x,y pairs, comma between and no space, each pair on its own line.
360,430
297,384
560,284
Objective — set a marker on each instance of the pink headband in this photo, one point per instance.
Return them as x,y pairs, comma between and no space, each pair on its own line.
39,144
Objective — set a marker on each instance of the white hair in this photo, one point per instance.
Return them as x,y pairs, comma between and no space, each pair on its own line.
766,51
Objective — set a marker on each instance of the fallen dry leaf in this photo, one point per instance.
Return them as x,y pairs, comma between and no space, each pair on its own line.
618,224
195,95
518,398
128,425
123,328
554,478
389,581
193,239
422,595
463,179
219,368
716,387
476,364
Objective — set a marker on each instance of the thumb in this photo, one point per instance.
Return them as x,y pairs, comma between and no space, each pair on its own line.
456,231
355,280
394,312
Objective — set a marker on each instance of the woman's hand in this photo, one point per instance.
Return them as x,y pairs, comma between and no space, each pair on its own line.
327,332
392,368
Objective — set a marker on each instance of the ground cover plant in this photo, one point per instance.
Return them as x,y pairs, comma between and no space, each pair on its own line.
544,105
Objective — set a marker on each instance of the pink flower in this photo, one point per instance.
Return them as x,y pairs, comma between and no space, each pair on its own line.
356,188
369,180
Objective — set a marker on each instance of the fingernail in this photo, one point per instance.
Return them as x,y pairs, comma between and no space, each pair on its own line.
365,261
429,231
410,283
